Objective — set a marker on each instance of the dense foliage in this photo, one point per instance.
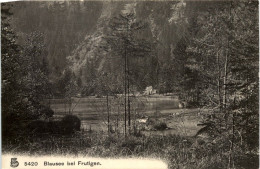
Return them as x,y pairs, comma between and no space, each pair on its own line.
222,61
24,78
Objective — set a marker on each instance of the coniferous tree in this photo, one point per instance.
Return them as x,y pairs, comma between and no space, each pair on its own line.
123,41
224,55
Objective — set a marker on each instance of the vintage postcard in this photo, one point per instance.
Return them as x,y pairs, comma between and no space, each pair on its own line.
130,84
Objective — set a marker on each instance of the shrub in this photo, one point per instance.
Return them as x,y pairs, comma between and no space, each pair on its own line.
160,126
69,124
54,127
44,110
110,140
38,127
131,143
11,125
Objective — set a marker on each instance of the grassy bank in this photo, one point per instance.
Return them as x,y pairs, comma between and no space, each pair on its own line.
176,151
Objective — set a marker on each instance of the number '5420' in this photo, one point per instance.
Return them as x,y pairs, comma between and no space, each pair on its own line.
30,163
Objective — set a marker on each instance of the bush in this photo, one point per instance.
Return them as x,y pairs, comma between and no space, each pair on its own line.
131,143
38,127
44,110
23,119
12,126
54,127
160,126
69,124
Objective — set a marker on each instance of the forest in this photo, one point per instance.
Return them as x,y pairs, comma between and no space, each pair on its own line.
204,53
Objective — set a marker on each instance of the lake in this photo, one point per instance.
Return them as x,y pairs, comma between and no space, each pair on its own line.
93,112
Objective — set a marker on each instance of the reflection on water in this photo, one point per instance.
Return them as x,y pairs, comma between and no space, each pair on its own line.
95,105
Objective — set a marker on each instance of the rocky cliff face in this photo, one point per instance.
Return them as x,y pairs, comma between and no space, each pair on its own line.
162,19
89,46
73,30
63,23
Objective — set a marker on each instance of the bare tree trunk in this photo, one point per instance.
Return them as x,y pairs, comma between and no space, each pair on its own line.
225,84
126,79
226,63
128,91
70,103
65,105
108,123
125,88
219,76
231,158
49,103
117,119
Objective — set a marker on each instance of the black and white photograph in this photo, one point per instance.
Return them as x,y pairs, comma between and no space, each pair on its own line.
175,81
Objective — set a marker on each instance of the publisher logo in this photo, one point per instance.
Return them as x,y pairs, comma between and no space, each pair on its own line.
14,162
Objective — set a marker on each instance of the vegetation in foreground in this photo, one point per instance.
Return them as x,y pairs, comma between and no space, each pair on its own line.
176,151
